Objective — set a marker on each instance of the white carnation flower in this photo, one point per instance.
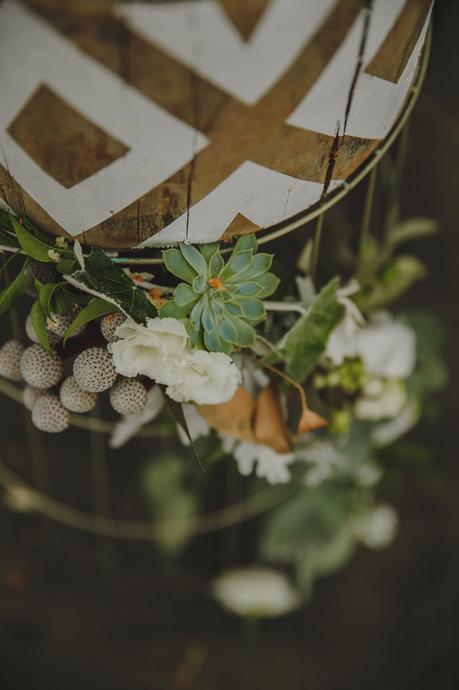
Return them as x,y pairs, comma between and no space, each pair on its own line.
267,463
155,350
208,378
255,592
160,350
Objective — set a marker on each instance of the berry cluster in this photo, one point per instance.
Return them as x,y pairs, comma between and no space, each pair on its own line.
57,384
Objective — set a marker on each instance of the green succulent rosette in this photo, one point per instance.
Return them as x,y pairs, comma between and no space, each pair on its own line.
223,301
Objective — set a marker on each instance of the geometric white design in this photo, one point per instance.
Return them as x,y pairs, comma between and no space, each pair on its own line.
201,36
262,195
376,102
159,144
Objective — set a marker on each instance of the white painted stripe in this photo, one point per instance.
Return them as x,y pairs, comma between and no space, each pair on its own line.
262,195
376,102
159,143
201,35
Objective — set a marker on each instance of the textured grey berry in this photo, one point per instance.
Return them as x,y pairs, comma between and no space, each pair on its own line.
30,396
128,396
48,414
109,324
39,369
58,323
31,333
75,398
93,370
44,272
10,357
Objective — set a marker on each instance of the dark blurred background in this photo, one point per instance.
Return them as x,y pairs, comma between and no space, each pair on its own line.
77,612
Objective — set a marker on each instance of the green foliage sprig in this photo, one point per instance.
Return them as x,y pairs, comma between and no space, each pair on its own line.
223,301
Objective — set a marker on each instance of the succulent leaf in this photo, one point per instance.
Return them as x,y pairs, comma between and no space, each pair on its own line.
223,301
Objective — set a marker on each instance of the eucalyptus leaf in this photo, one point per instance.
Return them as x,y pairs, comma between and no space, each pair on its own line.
14,290
34,247
307,339
45,295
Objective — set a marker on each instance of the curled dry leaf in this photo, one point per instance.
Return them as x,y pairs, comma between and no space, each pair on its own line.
310,420
235,417
270,427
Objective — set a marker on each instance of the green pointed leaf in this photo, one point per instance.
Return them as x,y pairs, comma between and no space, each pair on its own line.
207,318
67,266
45,295
178,265
238,263
194,258
200,284
104,279
245,332
253,309
173,311
196,314
212,341
227,331
246,242
260,264
247,289
268,284
184,294
38,318
208,250
306,341
34,247
14,290
216,264
93,310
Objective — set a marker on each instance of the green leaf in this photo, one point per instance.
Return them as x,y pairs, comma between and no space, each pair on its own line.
196,314
45,294
227,331
110,282
200,284
411,229
253,309
194,257
93,310
260,264
14,290
238,263
178,266
67,266
246,242
209,250
245,333
38,318
184,294
268,284
306,341
399,276
33,246
173,311
216,264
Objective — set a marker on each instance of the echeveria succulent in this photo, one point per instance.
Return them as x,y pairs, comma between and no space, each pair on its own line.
222,301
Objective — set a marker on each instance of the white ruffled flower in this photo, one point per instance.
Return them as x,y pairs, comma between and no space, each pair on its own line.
387,404
377,527
387,348
160,350
255,592
267,463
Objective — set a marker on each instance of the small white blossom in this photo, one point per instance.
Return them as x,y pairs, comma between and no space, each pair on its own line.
323,459
53,255
387,348
388,432
389,403
255,592
61,242
265,461
377,527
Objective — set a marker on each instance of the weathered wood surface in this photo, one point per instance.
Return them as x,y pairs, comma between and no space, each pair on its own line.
151,123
